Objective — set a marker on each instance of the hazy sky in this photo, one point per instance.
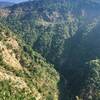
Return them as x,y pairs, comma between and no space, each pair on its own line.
17,1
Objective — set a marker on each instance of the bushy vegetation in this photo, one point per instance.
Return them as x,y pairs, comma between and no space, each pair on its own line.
40,78
66,33
7,92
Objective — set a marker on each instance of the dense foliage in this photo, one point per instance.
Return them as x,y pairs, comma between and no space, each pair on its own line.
66,33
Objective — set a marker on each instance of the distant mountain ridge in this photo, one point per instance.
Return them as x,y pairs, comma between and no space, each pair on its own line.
5,4
97,1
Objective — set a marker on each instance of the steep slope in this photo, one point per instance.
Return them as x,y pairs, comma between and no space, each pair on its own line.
44,26
66,32
24,75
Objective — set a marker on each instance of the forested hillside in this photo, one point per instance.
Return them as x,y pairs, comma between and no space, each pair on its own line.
67,34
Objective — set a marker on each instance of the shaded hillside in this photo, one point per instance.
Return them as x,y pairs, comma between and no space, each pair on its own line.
84,48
